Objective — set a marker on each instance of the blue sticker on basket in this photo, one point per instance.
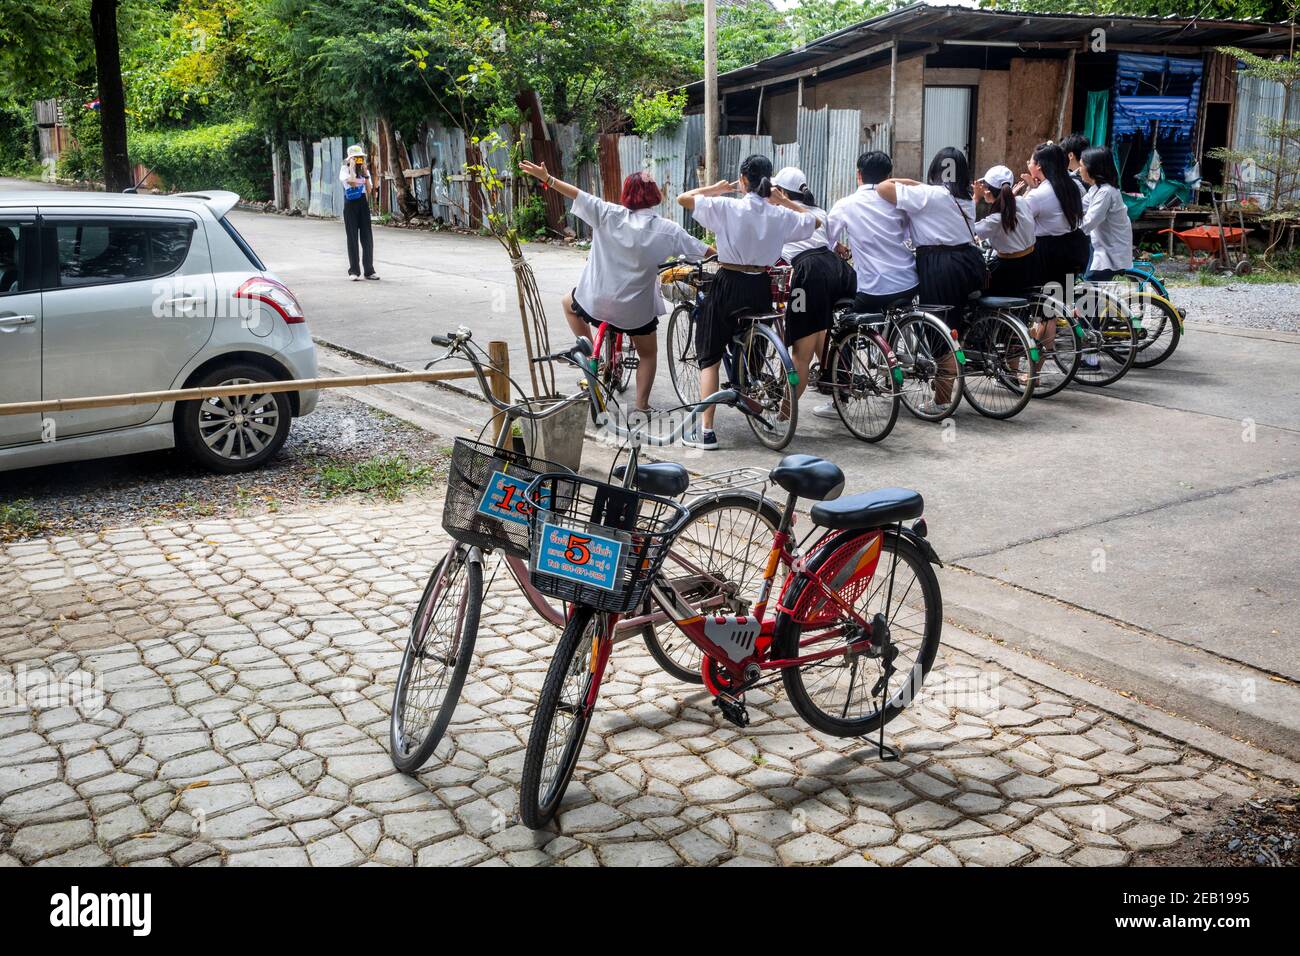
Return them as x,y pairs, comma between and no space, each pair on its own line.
579,556
505,500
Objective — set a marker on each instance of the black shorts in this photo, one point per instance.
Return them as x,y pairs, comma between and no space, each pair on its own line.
730,292
647,329
817,281
867,302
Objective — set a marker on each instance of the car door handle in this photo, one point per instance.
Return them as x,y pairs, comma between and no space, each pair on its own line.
13,321
184,303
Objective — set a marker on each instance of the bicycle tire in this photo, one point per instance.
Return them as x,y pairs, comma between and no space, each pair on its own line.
1064,361
998,350
854,389
1168,325
672,650
683,369
1101,333
909,682
408,752
772,385
920,342
538,808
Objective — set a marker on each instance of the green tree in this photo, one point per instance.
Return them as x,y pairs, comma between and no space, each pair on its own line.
1273,11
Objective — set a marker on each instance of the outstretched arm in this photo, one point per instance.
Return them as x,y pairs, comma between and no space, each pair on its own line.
687,199
539,172
888,190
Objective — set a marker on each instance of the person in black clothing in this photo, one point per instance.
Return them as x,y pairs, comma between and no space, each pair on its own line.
355,177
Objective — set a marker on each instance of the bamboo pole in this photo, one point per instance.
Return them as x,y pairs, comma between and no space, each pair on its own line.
219,391
499,379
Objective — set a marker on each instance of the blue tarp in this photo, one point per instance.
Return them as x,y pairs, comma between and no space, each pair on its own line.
1160,94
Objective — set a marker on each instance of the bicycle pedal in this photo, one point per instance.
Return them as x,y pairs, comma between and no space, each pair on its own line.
734,710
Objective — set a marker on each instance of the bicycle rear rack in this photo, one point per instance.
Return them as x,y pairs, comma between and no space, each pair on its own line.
729,480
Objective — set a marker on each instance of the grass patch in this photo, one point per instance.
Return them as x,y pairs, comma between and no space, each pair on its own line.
18,519
385,475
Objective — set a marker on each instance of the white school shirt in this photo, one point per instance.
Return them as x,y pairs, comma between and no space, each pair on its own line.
1105,219
816,241
875,230
619,283
749,230
936,216
1020,238
1049,220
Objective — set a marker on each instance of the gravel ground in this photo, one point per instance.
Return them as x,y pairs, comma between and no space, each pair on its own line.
1272,307
164,486
1255,833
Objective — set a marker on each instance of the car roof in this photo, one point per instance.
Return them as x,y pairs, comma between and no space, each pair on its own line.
216,201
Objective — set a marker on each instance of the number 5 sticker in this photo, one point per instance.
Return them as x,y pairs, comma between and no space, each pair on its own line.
578,552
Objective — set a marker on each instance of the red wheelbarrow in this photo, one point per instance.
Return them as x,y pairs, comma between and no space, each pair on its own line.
1208,239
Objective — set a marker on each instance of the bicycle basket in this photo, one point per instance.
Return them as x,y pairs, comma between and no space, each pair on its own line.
597,544
486,505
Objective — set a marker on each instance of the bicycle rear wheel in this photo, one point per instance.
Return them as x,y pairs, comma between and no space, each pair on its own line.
998,380
437,657
616,365
765,375
715,564
925,350
561,720
683,367
864,384
1058,346
837,695
1108,347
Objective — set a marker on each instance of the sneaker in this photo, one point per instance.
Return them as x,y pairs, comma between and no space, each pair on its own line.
703,438
373,276
1092,360
931,407
826,411
354,278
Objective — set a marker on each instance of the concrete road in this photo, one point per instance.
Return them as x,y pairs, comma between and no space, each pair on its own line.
1143,535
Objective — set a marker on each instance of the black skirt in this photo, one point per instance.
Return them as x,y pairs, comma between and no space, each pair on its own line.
817,281
1015,277
1062,259
731,292
947,275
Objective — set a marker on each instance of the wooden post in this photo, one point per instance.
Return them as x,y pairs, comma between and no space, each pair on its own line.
710,92
1067,82
499,379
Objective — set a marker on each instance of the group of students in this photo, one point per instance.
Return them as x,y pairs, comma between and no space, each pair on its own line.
1063,219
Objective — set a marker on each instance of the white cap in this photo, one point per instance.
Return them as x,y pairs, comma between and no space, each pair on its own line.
791,179
356,149
999,176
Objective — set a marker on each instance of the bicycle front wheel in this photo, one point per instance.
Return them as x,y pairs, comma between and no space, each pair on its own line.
561,720
1001,361
1109,347
683,367
1161,329
838,694
864,388
437,658
765,375
1056,333
715,565
932,371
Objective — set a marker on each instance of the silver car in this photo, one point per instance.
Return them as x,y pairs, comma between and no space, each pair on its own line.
104,294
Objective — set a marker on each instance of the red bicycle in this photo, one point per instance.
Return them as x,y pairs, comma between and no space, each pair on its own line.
843,624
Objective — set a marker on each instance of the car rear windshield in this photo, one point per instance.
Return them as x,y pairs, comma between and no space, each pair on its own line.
243,244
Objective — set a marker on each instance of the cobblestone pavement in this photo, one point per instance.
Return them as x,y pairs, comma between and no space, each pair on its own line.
238,673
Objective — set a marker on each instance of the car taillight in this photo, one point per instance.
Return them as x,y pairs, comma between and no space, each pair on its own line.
274,294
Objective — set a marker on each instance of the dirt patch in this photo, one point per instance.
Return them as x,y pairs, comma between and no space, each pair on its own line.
1254,833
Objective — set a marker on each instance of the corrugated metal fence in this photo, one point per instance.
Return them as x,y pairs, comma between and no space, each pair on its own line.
829,142
1258,101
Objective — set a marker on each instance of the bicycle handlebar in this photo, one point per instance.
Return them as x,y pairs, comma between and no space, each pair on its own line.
695,261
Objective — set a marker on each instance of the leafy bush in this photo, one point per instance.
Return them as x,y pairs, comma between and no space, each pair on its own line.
18,144
231,156
650,114
84,158
530,217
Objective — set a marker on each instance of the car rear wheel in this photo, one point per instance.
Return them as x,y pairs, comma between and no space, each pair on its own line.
235,432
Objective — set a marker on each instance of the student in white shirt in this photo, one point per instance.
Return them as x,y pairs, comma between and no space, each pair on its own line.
750,230
949,267
876,231
1057,206
818,279
1009,230
620,283
1105,218
1074,146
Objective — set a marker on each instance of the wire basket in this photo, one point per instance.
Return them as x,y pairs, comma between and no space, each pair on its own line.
597,544
486,501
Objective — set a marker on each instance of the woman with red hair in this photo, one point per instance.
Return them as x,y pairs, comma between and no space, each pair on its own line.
620,282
